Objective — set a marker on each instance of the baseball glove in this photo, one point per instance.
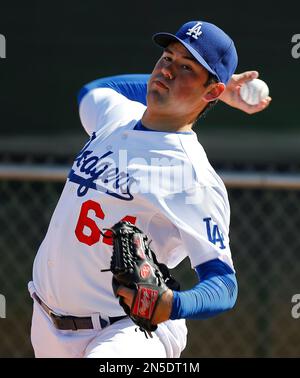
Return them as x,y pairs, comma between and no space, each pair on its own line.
135,266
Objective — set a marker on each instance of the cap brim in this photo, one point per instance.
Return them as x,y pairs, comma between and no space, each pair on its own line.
164,39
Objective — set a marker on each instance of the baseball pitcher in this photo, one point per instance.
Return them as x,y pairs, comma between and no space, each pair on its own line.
141,196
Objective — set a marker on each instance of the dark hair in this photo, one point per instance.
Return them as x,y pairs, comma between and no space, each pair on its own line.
210,80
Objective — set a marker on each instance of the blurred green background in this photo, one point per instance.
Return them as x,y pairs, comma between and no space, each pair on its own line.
53,48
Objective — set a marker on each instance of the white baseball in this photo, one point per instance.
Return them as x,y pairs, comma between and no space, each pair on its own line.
254,91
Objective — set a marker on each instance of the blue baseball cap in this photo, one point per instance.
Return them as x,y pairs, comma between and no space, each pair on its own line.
208,44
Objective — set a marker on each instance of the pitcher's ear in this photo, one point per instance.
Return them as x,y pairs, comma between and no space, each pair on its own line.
214,92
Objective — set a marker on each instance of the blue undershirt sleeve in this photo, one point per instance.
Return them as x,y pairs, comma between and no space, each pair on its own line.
215,293
134,87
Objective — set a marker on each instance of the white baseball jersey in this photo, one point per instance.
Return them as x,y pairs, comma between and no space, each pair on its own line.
162,182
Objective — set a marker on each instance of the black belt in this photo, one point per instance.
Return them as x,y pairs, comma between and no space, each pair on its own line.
74,323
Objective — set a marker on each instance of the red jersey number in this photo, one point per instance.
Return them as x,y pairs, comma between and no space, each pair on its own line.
87,230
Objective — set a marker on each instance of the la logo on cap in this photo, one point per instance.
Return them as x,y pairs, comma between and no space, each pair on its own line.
195,31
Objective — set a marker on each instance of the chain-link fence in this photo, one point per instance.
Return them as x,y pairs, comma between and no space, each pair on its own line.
265,243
